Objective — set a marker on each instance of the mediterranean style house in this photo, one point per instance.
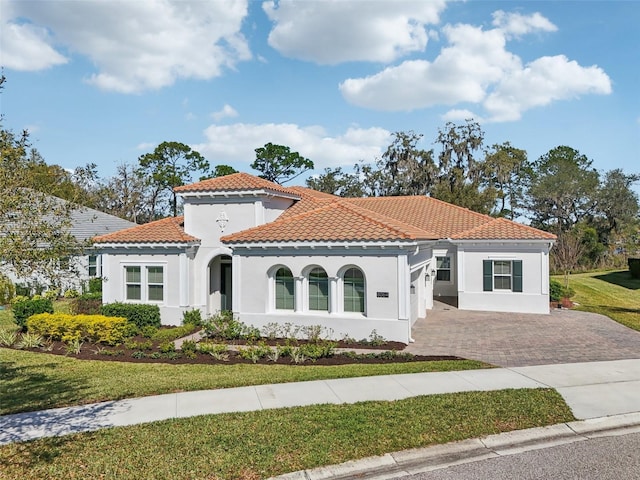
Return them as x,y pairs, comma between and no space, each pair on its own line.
353,265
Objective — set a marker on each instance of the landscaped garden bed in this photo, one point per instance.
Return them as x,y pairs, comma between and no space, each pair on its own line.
222,339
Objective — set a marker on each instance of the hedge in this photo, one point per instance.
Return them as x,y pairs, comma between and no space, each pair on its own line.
94,328
24,307
634,267
138,314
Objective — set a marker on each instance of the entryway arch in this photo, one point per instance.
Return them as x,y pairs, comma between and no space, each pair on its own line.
220,284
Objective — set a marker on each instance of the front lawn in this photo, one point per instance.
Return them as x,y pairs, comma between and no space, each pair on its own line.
260,444
614,294
35,381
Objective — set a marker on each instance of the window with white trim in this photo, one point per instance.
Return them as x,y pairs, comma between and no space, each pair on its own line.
502,275
133,283
443,269
353,290
318,284
155,284
144,283
285,289
94,266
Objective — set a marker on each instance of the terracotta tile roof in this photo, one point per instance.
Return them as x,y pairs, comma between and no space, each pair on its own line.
503,229
329,218
167,230
321,217
441,218
234,183
335,221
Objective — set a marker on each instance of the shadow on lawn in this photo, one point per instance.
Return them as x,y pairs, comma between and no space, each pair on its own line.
28,388
622,279
24,389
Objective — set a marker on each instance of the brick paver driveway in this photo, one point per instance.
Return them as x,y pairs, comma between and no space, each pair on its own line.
515,339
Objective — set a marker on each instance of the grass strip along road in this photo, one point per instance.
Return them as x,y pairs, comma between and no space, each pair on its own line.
260,444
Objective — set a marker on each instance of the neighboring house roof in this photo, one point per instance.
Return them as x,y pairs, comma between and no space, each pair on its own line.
321,217
167,230
86,223
236,182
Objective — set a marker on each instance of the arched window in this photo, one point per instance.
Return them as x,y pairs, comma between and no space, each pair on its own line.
285,289
353,283
318,289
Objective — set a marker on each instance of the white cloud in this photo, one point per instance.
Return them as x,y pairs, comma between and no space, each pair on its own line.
475,67
236,143
142,45
541,82
226,112
25,47
329,32
461,73
517,24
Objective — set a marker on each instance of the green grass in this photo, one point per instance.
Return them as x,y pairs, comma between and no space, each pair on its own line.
614,294
6,318
35,381
261,444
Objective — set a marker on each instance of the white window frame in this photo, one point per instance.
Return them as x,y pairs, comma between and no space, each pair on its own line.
341,295
97,266
275,290
308,291
144,282
450,269
503,275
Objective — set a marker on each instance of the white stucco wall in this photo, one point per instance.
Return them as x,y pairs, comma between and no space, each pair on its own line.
534,297
176,273
383,271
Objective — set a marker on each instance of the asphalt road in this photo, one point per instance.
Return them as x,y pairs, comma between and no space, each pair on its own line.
608,458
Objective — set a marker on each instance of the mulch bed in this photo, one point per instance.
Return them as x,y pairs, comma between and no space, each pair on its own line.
122,354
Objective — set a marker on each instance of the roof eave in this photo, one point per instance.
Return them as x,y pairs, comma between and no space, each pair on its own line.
236,193
137,245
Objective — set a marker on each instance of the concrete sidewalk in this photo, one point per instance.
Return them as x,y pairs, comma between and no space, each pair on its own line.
592,390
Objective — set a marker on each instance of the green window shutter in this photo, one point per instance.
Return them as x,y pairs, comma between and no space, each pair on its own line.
487,275
517,275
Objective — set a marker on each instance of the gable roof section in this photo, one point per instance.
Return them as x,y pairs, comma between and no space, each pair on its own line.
236,182
332,222
167,230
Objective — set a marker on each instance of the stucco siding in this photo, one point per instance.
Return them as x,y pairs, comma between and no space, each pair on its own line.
534,297
256,305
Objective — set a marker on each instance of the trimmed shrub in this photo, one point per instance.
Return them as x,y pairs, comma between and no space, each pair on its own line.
192,317
87,304
23,308
71,328
555,290
139,314
634,267
7,290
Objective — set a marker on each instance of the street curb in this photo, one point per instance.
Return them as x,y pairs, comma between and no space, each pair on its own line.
418,460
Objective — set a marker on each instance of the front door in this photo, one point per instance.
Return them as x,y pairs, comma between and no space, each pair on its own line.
225,286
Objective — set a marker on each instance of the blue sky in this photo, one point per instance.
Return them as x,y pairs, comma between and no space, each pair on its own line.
106,81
